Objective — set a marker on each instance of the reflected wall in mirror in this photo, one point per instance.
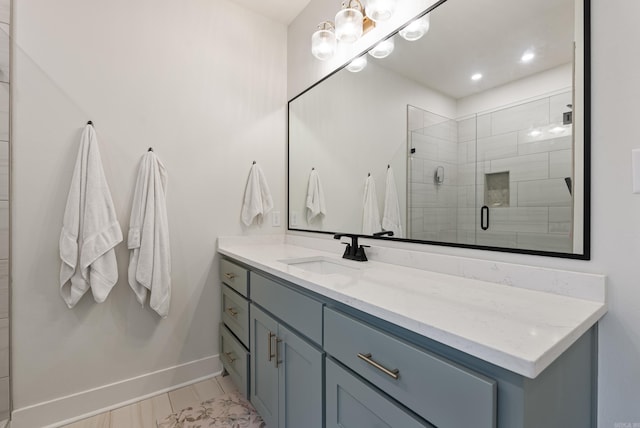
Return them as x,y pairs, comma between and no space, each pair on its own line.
497,161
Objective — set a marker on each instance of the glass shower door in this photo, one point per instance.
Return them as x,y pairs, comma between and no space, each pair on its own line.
524,175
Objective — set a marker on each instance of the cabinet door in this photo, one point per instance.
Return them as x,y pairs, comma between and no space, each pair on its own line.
351,403
264,373
300,372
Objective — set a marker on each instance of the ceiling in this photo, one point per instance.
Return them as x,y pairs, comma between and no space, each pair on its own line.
468,37
279,10
487,37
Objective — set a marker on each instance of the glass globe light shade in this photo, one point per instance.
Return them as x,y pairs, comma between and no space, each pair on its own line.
323,44
416,29
380,10
382,49
357,64
349,25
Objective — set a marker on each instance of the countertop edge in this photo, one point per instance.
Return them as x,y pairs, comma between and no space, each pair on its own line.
516,364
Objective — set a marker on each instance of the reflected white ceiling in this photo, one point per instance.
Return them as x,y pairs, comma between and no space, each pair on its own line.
487,37
467,37
280,10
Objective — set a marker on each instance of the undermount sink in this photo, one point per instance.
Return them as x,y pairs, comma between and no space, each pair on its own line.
323,265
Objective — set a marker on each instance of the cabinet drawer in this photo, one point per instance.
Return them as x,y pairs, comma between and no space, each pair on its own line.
234,276
442,392
299,311
235,360
353,403
235,314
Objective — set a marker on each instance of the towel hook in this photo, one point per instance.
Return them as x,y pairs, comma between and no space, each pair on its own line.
368,174
254,162
388,166
90,123
312,169
150,149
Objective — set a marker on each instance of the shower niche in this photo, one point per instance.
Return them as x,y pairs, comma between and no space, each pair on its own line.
505,175
496,189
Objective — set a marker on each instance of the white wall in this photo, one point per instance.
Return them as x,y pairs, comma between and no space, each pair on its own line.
615,211
203,82
349,127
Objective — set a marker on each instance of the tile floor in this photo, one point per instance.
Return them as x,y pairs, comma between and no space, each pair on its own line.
144,414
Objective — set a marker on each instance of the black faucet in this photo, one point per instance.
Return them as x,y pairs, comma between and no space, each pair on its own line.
384,232
353,250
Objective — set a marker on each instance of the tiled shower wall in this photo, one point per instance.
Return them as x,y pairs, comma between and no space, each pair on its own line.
433,211
528,141
5,14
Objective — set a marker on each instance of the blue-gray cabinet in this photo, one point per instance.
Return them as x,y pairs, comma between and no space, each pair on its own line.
434,387
286,375
234,329
352,403
264,373
316,363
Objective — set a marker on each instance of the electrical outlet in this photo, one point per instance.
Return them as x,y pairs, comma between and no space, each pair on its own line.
275,219
294,218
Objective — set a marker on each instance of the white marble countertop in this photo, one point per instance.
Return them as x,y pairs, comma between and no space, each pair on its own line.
519,329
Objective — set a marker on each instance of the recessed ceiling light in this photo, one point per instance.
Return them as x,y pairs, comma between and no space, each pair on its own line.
476,76
527,56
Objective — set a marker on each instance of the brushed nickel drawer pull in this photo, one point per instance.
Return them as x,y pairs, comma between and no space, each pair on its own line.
229,275
232,312
271,336
278,361
395,373
229,357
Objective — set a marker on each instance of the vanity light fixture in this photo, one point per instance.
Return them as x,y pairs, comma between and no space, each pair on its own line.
382,49
349,21
557,130
323,41
416,29
528,56
535,133
357,64
380,10
476,77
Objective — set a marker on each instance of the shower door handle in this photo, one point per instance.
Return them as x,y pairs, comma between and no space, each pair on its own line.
484,217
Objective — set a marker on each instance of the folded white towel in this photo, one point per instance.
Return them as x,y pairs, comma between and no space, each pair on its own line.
257,197
148,240
90,229
371,213
315,198
391,219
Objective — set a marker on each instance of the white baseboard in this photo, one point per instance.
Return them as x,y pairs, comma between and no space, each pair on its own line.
71,408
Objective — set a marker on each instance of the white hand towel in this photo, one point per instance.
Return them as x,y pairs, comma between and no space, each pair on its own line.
148,240
371,213
257,196
90,229
391,219
315,198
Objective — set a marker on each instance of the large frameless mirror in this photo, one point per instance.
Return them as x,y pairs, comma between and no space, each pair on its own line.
475,135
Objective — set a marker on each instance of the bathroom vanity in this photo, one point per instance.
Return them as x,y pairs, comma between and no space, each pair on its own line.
314,340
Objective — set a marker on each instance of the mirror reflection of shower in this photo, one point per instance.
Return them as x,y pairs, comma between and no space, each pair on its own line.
517,161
